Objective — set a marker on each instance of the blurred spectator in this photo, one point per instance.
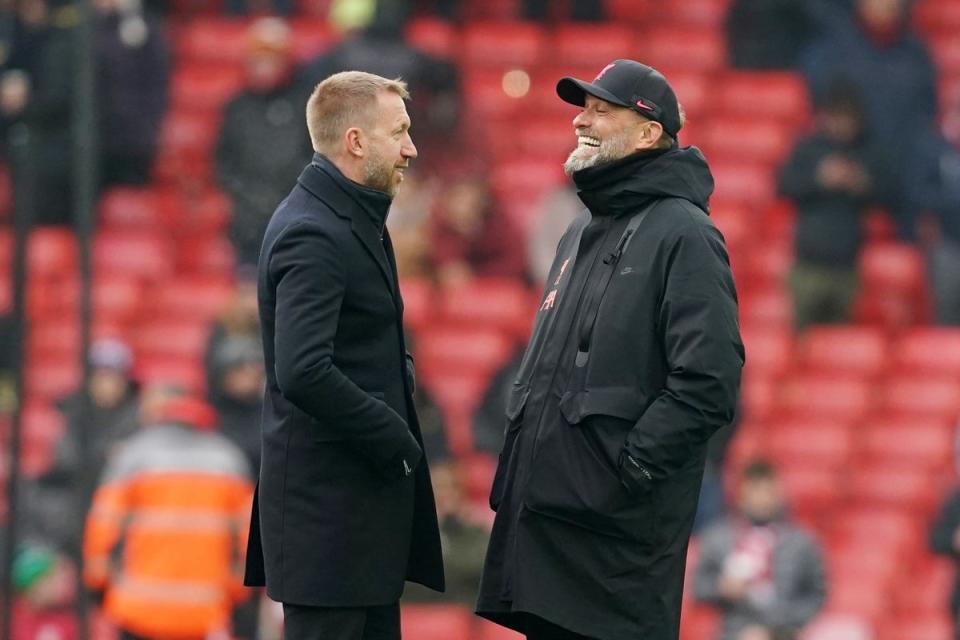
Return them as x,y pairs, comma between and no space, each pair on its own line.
237,393
432,424
537,10
559,208
934,188
260,7
408,225
263,145
767,34
45,585
39,95
765,574
470,238
176,497
464,540
98,418
240,319
375,43
875,50
133,77
831,176
490,417
945,540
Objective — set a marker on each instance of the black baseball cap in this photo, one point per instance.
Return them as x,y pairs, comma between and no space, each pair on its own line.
629,84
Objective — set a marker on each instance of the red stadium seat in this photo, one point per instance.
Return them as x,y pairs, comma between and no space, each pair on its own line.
629,11
311,37
435,622
932,626
132,253
217,40
769,349
945,47
432,35
927,594
767,263
171,338
490,302
838,626
131,207
485,98
736,223
927,396
856,350
188,135
205,212
51,251
698,621
197,300
42,422
543,98
772,94
813,442
914,490
211,256
937,16
53,298
497,44
702,13
869,525
749,182
916,442
549,138
770,306
761,139
418,303
525,179
478,471
51,380
205,87
758,396
929,350
457,390
183,371
116,298
896,267
693,89
593,44
812,489
486,630
478,350
54,338
697,48
851,596
826,396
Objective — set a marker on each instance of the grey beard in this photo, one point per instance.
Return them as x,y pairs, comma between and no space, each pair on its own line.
610,150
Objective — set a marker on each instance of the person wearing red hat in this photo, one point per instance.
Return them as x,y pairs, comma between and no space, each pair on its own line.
176,498
634,363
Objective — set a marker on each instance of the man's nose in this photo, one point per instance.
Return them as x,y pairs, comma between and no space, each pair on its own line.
408,150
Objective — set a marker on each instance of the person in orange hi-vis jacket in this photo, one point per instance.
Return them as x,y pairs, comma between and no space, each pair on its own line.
165,536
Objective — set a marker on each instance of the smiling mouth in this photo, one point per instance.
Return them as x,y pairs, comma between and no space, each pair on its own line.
588,141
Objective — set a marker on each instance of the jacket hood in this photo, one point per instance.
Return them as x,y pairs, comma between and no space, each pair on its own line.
625,185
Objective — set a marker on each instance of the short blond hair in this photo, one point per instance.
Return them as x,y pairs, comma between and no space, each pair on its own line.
344,100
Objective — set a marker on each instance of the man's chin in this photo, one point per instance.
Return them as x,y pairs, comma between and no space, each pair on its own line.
578,162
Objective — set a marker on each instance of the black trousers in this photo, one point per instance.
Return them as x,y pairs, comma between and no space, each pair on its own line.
335,623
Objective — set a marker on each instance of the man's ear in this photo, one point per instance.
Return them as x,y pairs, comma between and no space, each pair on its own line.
650,134
354,142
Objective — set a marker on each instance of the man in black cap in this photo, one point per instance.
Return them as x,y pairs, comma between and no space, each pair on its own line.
634,362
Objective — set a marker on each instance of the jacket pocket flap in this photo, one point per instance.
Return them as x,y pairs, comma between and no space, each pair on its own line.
516,401
619,402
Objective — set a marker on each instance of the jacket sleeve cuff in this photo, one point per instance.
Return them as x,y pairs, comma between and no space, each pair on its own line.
633,475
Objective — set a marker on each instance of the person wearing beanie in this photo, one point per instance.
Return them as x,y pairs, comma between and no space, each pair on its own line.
633,364
176,497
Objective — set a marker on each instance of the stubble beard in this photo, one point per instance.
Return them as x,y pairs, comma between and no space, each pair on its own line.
378,175
611,149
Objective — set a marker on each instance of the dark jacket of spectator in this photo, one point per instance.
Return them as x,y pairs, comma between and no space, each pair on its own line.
892,69
237,393
133,69
767,34
829,219
944,538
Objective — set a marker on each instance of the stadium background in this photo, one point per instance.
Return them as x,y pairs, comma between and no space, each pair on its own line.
859,418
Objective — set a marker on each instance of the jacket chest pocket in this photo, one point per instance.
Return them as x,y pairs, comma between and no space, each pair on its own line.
576,475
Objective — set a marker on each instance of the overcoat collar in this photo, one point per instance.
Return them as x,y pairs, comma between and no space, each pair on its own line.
366,208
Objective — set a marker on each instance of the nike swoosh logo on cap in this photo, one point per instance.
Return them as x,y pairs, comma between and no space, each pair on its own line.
643,105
